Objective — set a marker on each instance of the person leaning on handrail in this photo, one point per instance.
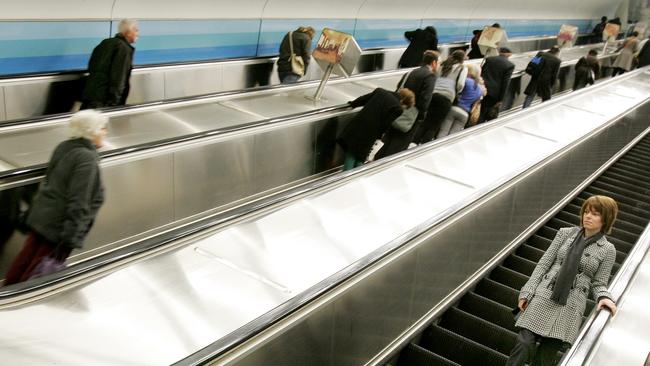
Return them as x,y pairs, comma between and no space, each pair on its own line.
68,200
420,40
579,261
109,68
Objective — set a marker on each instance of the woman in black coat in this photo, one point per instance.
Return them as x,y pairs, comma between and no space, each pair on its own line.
67,202
421,40
380,109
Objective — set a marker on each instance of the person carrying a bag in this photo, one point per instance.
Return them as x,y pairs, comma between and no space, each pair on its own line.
67,202
421,81
448,85
380,108
468,100
295,54
578,262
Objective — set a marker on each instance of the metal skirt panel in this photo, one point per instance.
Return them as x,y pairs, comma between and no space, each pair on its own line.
366,317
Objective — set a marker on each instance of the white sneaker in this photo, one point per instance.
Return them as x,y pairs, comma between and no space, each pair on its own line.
412,145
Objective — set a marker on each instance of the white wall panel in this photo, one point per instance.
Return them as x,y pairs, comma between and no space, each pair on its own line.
189,9
457,9
391,9
55,10
547,9
318,9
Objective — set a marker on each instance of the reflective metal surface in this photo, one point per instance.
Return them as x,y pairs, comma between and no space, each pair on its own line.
626,338
223,279
36,96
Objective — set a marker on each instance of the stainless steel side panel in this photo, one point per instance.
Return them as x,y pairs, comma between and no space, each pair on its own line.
200,80
226,278
357,323
139,197
26,100
3,111
146,87
209,176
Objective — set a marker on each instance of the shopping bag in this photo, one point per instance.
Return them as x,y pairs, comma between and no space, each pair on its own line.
46,266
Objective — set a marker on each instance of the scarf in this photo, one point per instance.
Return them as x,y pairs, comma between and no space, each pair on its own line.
569,269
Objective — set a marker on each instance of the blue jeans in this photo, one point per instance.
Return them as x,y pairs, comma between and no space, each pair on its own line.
288,77
529,100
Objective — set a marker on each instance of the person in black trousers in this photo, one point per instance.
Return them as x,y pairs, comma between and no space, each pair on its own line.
421,40
380,108
109,69
496,72
421,81
543,83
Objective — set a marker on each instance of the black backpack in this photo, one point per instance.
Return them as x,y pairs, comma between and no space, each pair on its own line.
535,66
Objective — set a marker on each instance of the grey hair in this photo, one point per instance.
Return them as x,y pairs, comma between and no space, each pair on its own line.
126,25
87,124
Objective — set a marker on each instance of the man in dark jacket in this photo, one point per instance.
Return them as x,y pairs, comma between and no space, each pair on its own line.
496,72
597,33
543,82
301,39
420,41
587,70
421,81
109,68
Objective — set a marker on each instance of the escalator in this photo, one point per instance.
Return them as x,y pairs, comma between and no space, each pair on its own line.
480,329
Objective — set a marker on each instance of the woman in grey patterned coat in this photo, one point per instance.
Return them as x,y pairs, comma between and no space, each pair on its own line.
579,260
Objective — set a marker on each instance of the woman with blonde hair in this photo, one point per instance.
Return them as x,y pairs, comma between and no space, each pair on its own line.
67,202
295,44
458,115
579,261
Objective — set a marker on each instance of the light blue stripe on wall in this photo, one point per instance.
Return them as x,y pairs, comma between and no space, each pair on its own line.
32,47
273,31
372,33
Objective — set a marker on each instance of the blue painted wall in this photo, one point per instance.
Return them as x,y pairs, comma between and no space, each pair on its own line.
47,46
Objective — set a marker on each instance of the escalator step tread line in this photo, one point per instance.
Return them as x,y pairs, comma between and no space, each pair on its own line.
460,349
414,355
479,329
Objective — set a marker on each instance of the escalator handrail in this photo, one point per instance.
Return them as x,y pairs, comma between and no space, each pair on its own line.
41,284
249,331
32,172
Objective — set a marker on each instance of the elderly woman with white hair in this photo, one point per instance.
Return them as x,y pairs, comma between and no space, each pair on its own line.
67,202
109,68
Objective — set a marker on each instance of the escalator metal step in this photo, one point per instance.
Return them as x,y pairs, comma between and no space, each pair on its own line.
540,242
508,277
489,310
480,329
519,264
414,355
472,327
498,292
460,349
529,252
641,207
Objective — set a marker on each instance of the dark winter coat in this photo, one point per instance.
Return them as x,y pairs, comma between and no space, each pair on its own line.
543,83
475,51
301,47
381,108
65,207
497,72
584,69
109,72
421,82
420,41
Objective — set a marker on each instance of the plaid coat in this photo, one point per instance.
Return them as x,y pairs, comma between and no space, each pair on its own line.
544,316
